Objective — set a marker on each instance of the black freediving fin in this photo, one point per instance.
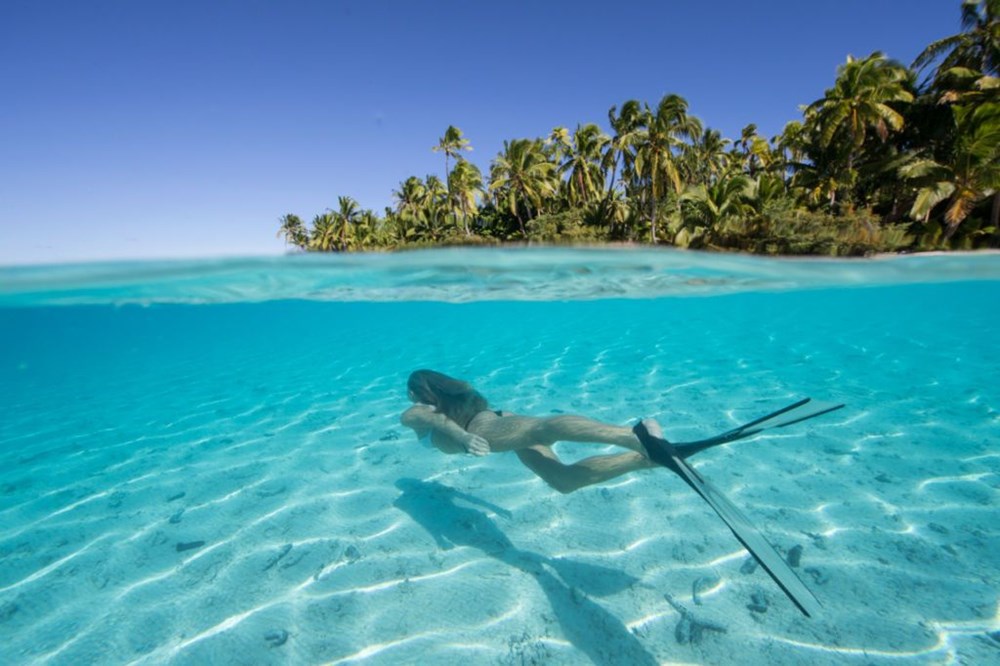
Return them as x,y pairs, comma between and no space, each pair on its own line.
794,413
663,453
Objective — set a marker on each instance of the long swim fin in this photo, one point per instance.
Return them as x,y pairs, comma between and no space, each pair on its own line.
662,452
794,413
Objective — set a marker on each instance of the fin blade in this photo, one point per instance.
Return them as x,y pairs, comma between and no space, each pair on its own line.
785,416
752,540
662,452
823,408
768,417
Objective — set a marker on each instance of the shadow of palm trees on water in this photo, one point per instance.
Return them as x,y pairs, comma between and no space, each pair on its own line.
567,584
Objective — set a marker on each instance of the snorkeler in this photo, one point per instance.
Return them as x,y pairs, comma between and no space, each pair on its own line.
453,417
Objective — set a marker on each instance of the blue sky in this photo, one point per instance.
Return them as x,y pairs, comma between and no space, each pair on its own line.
137,128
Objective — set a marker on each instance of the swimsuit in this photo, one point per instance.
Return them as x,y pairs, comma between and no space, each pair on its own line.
491,411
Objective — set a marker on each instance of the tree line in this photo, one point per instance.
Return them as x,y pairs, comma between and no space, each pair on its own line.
891,158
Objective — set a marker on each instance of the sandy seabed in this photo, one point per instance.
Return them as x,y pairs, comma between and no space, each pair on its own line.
230,484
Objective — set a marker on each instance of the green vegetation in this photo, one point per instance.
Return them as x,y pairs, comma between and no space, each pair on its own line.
883,162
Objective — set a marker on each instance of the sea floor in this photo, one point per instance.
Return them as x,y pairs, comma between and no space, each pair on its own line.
229,484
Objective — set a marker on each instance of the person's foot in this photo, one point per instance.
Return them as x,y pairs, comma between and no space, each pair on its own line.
651,427
650,436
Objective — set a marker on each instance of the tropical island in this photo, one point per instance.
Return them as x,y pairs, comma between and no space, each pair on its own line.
891,158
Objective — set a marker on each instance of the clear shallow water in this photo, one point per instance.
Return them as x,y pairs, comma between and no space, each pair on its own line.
152,407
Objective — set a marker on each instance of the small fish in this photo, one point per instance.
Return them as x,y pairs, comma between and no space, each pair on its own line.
176,497
189,545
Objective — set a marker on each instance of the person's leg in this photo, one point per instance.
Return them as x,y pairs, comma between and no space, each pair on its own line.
566,478
511,433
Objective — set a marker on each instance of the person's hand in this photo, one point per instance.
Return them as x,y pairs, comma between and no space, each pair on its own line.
476,445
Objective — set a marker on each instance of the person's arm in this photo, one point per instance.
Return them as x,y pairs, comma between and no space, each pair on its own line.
446,435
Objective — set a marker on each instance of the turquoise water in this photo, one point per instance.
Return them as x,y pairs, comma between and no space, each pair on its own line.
201,462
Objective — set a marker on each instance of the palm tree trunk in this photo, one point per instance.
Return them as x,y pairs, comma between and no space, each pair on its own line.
995,217
652,218
614,171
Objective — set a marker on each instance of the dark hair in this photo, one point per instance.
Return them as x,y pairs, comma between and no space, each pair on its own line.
452,397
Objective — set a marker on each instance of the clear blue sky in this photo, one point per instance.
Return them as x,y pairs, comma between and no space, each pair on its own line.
141,128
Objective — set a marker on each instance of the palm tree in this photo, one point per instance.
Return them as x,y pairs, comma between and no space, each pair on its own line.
755,153
558,144
815,174
719,201
612,211
465,183
451,144
959,85
859,101
409,196
409,199
763,192
706,160
972,175
656,145
421,203
976,47
521,177
619,151
324,232
344,222
370,231
582,161
435,202
294,231
791,144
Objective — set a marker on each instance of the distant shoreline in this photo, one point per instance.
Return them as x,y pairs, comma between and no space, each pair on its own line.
620,247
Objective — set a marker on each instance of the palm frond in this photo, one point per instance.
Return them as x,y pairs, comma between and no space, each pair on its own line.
929,197
923,168
961,205
934,50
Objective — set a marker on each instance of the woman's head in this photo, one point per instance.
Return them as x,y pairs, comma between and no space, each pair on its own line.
452,397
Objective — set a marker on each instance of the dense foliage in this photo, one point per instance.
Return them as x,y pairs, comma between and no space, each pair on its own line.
884,161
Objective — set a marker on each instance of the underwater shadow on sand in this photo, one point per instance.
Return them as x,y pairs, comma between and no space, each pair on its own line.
566,584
